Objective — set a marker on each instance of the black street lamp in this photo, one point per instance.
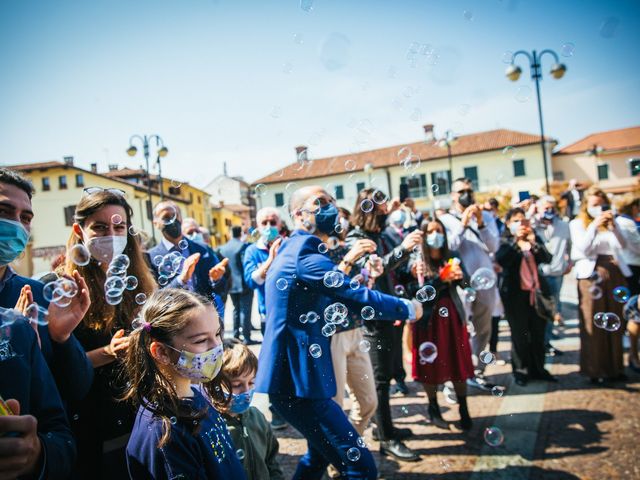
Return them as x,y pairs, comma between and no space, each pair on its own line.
557,71
162,152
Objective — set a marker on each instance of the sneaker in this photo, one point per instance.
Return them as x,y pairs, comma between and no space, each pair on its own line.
277,422
449,394
480,383
400,387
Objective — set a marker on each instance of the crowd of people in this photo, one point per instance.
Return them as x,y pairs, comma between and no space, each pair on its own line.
116,365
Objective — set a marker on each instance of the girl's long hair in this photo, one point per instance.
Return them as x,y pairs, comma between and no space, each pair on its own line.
167,312
102,316
592,191
432,267
370,222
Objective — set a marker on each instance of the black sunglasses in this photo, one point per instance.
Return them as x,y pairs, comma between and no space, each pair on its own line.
93,190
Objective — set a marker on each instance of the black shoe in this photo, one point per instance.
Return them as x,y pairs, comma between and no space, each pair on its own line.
398,450
278,423
520,379
251,342
480,383
620,378
634,367
545,375
400,387
435,417
553,352
465,419
398,433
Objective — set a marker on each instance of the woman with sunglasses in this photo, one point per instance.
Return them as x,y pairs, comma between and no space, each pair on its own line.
100,233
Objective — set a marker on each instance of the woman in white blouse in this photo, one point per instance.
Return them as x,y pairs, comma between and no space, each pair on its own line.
597,243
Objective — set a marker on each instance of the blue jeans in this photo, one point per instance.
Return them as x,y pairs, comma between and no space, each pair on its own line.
555,285
329,436
242,303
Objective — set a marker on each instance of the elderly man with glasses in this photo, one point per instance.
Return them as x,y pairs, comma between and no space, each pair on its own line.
473,233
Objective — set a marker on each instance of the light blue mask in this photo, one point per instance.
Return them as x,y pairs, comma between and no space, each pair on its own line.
435,240
268,234
196,237
240,402
13,240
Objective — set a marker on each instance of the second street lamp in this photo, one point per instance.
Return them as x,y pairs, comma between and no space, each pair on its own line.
557,71
145,140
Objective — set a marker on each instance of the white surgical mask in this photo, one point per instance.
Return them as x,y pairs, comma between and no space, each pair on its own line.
435,240
513,227
594,212
104,249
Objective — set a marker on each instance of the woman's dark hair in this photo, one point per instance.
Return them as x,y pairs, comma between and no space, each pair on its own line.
367,221
512,212
167,312
432,266
101,315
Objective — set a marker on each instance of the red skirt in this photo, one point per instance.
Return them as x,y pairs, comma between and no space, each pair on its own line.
449,334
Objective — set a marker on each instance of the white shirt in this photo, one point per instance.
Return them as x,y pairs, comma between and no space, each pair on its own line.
631,251
588,243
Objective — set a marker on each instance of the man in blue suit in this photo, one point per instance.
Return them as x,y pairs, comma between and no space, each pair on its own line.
202,271
295,361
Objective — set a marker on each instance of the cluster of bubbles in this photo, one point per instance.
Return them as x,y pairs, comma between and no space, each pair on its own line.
426,294
408,160
428,352
470,295
487,357
417,50
8,316
315,350
608,321
333,279
118,281
493,436
443,312
60,291
309,317
168,265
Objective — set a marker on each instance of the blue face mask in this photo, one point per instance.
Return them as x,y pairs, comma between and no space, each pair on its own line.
327,218
240,402
196,237
13,240
268,234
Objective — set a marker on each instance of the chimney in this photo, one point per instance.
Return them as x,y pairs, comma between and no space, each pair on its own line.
113,167
225,169
94,167
68,160
429,136
301,153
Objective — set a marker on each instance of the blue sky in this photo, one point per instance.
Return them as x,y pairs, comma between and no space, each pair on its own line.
244,82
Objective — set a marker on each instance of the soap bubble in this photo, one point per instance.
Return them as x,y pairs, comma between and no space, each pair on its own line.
183,244
621,294
303,318
333,243
132,231
120,261
609,27
37,314
163,280
131,283
114,283
260,190
598,320
312,317
426,294
354,284
443,312
367,313
306,5
611,322
328,329
353,454
379,197
315,350
173,420
567,49
428,352
595,291
487,357
361,443
483,279
468,15
507,57
399,290
68,288
116,219
51,292
523,94
334,51
240,454
364,346
113,299
493,436
435,187
79,254
157,260
509,151
322,248
470,294
497,391
366,205
141,298
282,284
596,277
349,165
169,215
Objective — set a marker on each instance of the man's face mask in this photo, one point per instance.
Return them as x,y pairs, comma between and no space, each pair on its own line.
173,229
465,198
13,240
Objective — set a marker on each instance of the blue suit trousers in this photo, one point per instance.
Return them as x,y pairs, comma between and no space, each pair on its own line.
329,436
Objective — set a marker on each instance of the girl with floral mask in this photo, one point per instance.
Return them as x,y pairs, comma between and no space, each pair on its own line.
178,433
100,233
247,426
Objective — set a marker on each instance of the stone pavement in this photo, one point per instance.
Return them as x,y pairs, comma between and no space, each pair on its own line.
566,430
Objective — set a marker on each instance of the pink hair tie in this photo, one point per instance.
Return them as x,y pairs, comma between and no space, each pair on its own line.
147,327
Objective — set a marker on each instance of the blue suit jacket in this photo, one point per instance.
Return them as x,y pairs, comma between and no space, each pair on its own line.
201,282
286,366
253,258
68,361
234,250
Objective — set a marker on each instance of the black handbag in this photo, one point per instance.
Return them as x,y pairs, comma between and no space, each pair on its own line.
543,305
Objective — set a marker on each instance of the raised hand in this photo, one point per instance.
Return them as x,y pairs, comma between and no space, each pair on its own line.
188,267
413,239
360,248
118,345
218,270
63,320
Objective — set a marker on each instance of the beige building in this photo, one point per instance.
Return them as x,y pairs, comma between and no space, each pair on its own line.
609,159
58,187
501,161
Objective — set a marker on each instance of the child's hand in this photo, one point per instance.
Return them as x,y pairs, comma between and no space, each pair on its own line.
118,346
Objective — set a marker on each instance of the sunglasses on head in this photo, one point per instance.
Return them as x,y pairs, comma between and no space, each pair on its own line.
93,190
273,223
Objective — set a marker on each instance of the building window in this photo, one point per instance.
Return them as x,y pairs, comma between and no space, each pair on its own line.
79,180
191,197
359,187
215,222
559,176
339,192
62,182
174,191
634,166
603,171
68,215
417,185
279,199
472,174
46,186
199,200
441,179
518,168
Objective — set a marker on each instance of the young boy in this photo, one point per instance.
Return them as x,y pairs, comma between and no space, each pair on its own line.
255,443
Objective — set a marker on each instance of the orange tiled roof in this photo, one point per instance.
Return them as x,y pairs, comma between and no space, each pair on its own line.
621,139
125,172
386,157
38,165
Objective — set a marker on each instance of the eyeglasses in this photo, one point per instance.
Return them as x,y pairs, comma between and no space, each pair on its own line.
93,190
273,223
